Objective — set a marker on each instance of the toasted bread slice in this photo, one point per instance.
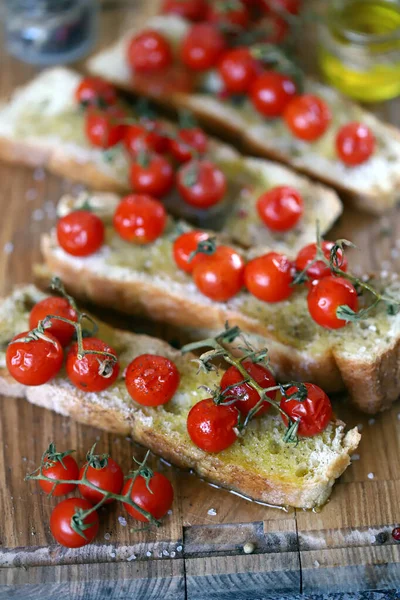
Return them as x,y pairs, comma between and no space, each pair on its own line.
259,465
373,186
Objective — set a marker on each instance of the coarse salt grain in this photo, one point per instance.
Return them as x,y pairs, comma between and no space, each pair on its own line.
360,427
362,349
8,248
355,457
370,475
371,421
122,521
31,194
148,553
212,512
39,174
112,554
131,557
107,536
316,563
179,548
173,554
165,552
38,214
248,548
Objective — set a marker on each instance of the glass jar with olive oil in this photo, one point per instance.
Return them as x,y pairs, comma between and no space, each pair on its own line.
359,48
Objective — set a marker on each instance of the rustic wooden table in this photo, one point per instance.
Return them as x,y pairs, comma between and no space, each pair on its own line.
198,552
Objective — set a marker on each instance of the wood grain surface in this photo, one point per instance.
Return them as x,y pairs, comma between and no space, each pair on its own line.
198,552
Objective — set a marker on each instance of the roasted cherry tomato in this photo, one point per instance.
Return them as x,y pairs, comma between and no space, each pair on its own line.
61,523
59,307
105,474
307,117
271,92
220,275
105,128
201,183
92,372
355,143
80,233
325,297
238,69
95,91
189,140
313,413
153,493
191,10
151,380
153,175
62,468
319,269
211,426
34,362
269,277
229,13
280,208
145,137
247,397
183,248
202,47
139,219
149,52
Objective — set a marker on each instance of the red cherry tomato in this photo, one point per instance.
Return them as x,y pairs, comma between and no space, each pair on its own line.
151,380
154,176
280,208
183,247
220,275
145,137
202,47
34,362
109,478
80,233
191,10
319,269
105,128
314,412
59,307
228,13
60,523
269,277
89,372
149,52
95,91
139,219
307,117
271,92
325,297
155,495
238,69
188,140
201,183
247,396
211,426
64,469
355,143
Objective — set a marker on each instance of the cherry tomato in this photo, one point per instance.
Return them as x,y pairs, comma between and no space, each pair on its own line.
307,117
157,500
220,275
325,297
319,269
145,137
269,277
66,468
105,128
60,523
34,362
109,478
187,140
238,69
271,92
280,208
183,247
59,307
95,91
152,380
201,183
247,396
80,233
202,47
139,219
355,143
149,52
191,10
93,372
211,426
228,13
314,412
154,176
288,6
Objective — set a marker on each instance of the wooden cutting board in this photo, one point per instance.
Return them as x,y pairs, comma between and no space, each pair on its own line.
198,552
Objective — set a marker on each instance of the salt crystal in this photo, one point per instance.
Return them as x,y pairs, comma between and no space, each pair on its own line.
360,427
372,327
122,521
112,554
372,539
165,552
169,512
39,174
107,536
362,348
8,247
248,548
355,457
31,194
371,421
384,274
316,563
179,548
148,553
131,557
38,214
370,475
173,554
212,512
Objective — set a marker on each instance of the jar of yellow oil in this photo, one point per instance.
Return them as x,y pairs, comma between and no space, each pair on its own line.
359,48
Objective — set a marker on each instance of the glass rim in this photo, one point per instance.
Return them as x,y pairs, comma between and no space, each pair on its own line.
357,37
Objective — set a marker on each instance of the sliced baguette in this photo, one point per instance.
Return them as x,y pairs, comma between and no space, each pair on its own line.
259,465
373,186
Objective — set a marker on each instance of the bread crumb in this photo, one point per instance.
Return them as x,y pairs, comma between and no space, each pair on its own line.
248,548
370,475
212,512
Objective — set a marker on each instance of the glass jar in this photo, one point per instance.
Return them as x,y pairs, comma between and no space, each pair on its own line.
359,48
46,32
